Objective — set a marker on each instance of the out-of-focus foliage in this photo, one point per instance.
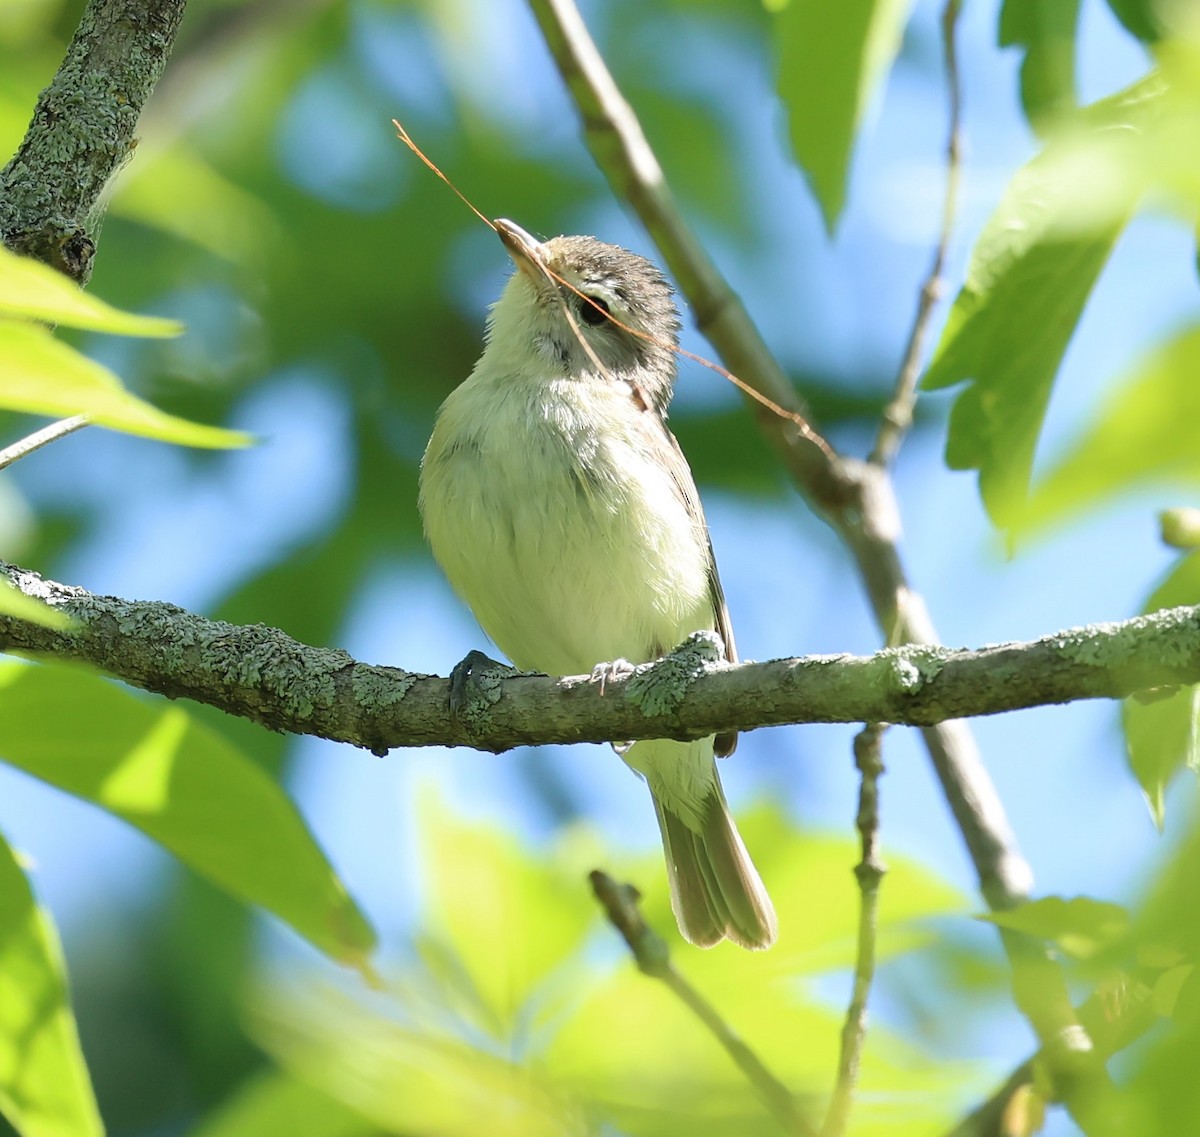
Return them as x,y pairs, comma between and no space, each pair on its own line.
832,59
44,1085
523,1009
1046,30
183,785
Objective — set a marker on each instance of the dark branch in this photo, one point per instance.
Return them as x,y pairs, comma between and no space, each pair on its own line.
82,133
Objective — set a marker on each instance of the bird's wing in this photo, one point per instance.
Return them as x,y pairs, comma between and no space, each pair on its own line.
685,485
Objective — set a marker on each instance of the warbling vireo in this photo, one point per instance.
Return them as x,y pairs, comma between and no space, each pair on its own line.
563,512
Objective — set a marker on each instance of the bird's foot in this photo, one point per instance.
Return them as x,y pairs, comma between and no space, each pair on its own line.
475,684
617,669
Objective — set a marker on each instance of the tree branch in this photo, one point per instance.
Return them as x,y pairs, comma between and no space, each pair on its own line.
82,132
261,674
620,904
855,497
868,758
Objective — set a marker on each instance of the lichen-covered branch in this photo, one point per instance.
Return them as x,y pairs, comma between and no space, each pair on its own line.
261,674
82,132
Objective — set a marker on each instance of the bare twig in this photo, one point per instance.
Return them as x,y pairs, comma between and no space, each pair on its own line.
868,758
40,438
898,415
650,952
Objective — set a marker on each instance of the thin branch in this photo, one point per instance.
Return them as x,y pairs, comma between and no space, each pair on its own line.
650,952
52,193
856,498
40,438
260,674
868,758
898,415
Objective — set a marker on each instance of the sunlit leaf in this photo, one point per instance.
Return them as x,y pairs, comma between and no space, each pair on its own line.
411,1079
15,603
1081,926
276,1105
832,57
1046,30
184,786
35,291
1143,434
45,1090
510,918
41,375
1162,729
1030,274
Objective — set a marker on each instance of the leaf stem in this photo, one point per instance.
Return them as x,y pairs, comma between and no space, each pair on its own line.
40,438
898,414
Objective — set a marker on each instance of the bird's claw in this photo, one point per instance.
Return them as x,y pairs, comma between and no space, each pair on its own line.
616,669
470,685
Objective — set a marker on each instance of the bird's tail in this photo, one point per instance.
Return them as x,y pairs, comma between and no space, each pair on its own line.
716,891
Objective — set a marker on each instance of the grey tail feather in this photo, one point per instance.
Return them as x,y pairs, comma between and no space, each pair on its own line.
716,891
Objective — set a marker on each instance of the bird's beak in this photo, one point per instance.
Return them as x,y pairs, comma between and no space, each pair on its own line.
525,250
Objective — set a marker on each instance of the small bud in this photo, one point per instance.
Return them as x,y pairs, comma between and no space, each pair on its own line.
1180,528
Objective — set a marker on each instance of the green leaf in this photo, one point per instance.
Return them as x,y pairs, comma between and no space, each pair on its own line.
1162,733
41,375
1144,19
44,1086
508,918
1046,30
185,787
32,290
420,1079
1145,432
832,57
273,1104
15,603
1082,927
1029,276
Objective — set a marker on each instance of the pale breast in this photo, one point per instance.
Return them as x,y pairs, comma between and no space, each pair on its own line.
552,518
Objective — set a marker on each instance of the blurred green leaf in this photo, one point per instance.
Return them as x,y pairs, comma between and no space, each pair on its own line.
1081,926
180,193
1162,729
185,787
510,919
1030,274
273,1104
32,290
1145,432
41,375
1046,30
831,58
15,603
1142,18
411,1079
44,1086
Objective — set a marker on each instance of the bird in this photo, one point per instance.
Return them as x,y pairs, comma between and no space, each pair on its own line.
561,509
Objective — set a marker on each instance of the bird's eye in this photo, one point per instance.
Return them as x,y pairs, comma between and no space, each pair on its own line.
593,313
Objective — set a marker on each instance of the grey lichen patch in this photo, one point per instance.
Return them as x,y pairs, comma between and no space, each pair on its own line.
659,688
300,679
912,666
1169,635
380,687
